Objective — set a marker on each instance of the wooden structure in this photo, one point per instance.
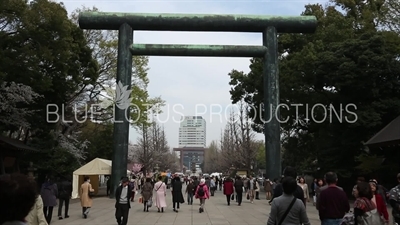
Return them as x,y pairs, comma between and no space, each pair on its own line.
11,151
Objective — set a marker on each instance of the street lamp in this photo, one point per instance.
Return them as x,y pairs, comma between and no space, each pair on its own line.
231,169
156,168
193,165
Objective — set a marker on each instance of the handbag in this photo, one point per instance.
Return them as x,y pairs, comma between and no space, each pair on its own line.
371,218
91,194
287,211
150,202
348,219
232,197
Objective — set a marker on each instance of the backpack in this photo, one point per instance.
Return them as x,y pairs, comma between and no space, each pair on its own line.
200,192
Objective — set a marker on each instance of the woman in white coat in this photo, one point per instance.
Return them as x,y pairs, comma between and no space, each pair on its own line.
161,193
36,215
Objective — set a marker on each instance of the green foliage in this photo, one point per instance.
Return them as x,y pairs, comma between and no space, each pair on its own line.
347,61
100,137
260,159
369,163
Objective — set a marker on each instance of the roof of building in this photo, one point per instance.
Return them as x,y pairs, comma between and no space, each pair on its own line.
14,144
388,136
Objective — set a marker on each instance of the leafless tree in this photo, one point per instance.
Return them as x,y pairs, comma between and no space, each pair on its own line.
212,158
152,148
238,146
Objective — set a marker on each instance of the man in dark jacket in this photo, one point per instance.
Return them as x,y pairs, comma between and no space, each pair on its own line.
278,191
64,195
239,186
122,204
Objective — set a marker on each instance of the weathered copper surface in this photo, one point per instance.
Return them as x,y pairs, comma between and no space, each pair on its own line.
271,101
198,50
197,22
122,114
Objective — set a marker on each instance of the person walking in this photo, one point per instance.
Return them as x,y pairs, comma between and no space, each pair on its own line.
161,193
332,202
36,215
48,192
228,190
378,201
190,189
268,189
147,193
239,188
302,183
287,209
86,200
177,197
394,200
133,186
64,195
251,185
278,190
18,195
122,205
202,193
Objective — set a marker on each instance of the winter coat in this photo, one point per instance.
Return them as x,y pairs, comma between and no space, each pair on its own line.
177,191
49,193
147,191
206,192
228,187
86,201
36,215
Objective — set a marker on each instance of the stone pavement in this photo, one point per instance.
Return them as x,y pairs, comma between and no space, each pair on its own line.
216,212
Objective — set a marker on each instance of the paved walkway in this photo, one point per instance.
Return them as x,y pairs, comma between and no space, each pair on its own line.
216,212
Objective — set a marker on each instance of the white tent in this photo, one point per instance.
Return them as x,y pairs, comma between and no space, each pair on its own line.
95,167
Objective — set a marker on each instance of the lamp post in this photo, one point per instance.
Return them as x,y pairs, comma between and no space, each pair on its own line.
231,170
193,165
156,168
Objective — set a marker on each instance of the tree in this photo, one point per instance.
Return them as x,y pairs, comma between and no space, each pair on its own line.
99,137
212,157
348,62
391,15
42,50
104,45
238,146
14,106
152,148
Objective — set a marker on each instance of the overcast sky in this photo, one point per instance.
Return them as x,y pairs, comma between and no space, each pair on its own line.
194,83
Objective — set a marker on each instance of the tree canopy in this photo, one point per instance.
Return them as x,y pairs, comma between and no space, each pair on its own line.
349,61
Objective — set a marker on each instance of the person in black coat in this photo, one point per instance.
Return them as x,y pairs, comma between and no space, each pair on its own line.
177,196
64,195
122,204
278,191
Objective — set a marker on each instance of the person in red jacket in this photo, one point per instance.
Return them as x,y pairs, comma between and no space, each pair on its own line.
379,201
228,189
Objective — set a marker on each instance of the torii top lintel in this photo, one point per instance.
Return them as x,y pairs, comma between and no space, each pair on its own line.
197,22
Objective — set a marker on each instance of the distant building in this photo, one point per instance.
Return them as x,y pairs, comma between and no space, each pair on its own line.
192,132
190,155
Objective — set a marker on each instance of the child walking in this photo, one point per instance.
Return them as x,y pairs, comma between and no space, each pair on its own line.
202,193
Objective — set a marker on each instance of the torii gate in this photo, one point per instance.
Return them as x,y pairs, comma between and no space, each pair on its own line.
269,26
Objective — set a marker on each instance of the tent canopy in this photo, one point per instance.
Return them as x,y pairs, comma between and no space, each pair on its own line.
97,166
389,135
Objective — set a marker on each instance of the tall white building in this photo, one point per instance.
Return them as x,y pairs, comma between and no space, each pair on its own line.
192,132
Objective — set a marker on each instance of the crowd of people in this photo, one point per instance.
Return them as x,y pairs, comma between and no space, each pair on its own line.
21,203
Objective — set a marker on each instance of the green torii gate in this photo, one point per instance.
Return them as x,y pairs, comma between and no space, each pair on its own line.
269,26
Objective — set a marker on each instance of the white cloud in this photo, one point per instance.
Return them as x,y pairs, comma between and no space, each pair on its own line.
192,80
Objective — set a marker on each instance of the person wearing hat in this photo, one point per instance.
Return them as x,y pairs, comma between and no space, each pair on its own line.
379,201
394,199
